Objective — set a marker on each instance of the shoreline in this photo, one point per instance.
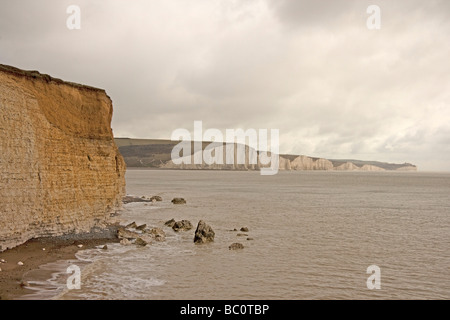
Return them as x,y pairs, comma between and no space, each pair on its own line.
32,255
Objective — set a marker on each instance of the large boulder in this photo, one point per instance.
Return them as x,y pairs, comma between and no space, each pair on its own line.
204,233
178,201
183,225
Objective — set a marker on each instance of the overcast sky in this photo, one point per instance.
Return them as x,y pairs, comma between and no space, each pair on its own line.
311,69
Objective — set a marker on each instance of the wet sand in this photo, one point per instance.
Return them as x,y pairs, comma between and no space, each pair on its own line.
32,255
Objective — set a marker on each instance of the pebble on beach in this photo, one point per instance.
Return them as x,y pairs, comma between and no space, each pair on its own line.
20,263
80,246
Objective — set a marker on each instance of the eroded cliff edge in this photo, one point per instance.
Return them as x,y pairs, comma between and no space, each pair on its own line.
60,169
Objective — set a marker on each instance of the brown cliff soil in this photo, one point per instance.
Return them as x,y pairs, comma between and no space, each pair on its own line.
60,170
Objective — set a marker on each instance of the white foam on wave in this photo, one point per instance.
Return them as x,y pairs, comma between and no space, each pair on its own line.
49,280
121,272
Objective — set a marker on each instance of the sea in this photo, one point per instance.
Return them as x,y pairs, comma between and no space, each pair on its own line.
313,235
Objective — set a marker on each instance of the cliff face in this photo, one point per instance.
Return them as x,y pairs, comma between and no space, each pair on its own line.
60,170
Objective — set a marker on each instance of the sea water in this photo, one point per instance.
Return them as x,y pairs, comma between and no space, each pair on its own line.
314,234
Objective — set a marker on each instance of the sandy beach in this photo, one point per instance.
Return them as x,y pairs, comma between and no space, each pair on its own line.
33,255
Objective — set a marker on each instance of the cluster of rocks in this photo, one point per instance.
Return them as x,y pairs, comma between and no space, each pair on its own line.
236,245
131,199
204,233
140,234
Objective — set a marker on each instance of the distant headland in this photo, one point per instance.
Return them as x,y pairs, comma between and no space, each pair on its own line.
156,153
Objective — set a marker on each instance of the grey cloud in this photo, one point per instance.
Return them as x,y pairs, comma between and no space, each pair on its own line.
308,68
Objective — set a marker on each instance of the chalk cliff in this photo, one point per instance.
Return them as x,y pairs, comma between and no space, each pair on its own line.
60,169
156,153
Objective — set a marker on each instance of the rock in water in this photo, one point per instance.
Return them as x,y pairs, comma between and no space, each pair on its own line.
157,233
140,242
204,233
178,201
183,225
170,223
132,225
236,246
141,227
127,234
125,242
130,199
